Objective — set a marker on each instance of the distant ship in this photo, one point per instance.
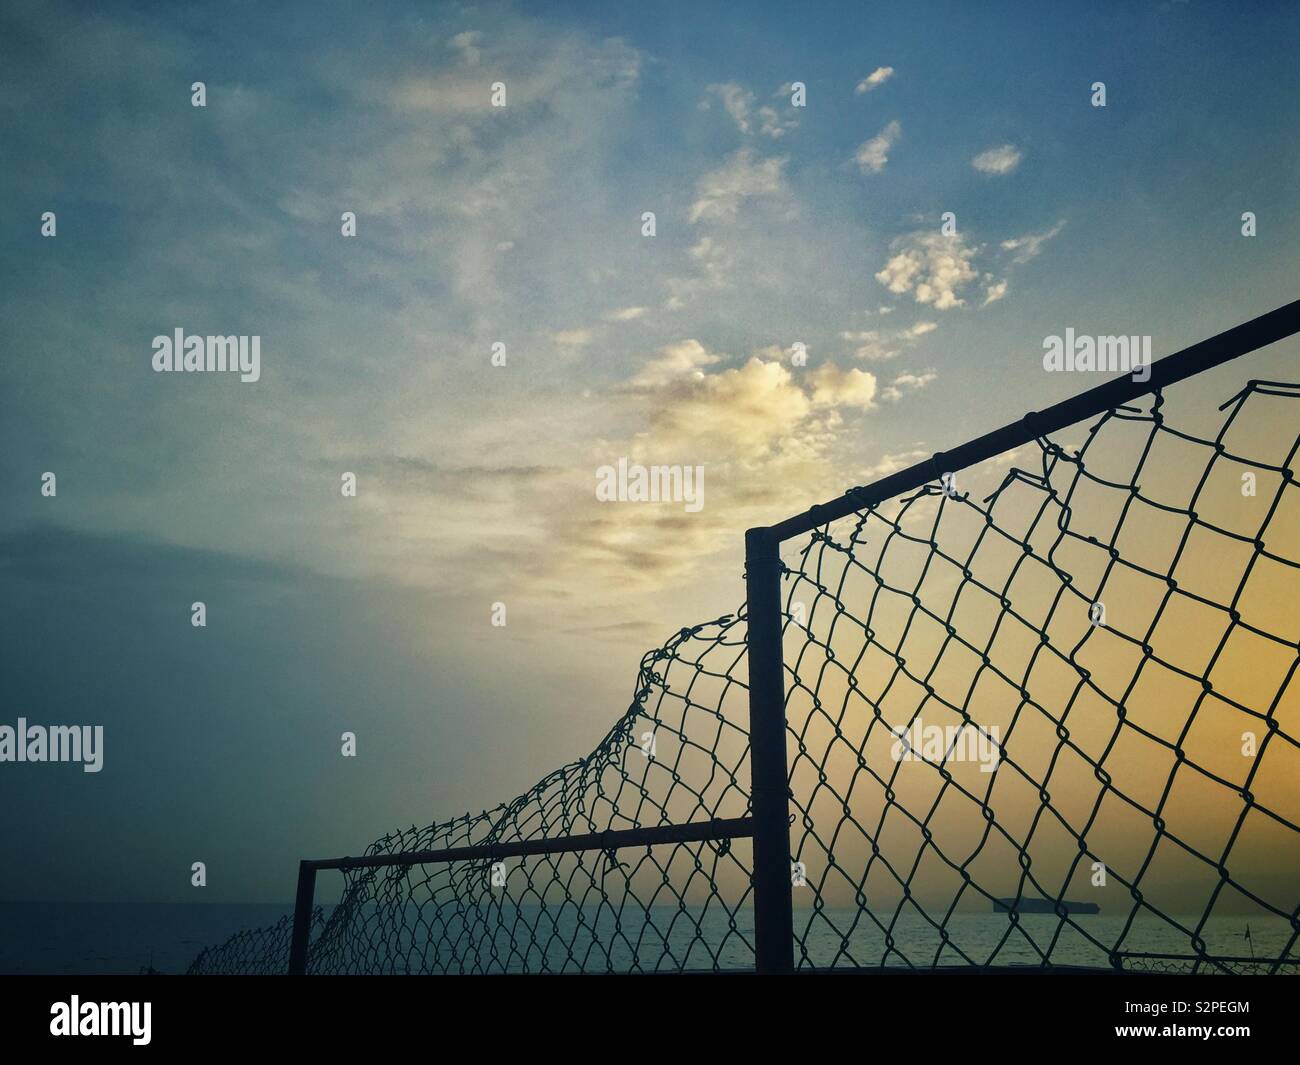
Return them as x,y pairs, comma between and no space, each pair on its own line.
1042,906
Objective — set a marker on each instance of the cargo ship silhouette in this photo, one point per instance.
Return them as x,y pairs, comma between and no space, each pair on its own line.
1025,905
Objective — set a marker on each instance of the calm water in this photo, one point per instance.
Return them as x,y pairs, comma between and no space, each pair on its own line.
123,938
90,938
669,940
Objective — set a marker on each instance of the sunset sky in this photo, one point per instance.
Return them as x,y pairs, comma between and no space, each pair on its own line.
523,225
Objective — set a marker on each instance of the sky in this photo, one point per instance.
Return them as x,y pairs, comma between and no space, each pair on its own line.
523,225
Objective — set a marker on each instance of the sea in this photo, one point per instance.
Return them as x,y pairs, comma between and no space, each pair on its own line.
127,938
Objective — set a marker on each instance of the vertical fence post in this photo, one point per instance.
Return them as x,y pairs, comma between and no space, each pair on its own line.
302,909
769,776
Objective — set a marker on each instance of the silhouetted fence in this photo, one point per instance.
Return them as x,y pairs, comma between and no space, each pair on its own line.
1052,725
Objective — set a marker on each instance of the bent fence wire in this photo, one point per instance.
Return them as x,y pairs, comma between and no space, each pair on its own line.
1077,689
678,755
1004,708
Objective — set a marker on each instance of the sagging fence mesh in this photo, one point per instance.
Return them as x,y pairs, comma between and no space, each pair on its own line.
678,755
1004,710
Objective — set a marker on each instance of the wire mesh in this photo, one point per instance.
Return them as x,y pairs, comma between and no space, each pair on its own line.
254,951
679,755
1076,693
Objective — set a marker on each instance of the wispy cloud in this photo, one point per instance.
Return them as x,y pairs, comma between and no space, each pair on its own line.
872,155
1031,244
994,291
720,192
573,338
878,345
749,116
1000,160
626,314
905,383
874,80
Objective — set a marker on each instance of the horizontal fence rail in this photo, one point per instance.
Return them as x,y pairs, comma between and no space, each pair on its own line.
732,828
1232,344
609,841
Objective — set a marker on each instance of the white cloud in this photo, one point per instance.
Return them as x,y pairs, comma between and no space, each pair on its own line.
833,387
872,155
625,314
720,192
1029,246
905,383
738,102
874,80
994,291
1000,160
874,345
892,463
682,361
932,266
771,124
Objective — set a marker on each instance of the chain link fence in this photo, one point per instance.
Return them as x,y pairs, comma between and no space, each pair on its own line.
1074,693
1050,724
679,755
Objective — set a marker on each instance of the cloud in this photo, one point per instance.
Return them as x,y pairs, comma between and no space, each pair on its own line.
833,387
872,155
874,80
905,383
463,90
720,192
467,45
892,463
739,103
771,124
871,344
625,314
740,411
684,360
876,345
1000,160
573,338
1031,244
932,266
994,291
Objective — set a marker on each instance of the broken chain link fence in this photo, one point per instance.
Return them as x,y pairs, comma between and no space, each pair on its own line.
679,755
1075,691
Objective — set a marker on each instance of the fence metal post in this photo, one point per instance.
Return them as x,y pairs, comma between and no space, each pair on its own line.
302,909
769,776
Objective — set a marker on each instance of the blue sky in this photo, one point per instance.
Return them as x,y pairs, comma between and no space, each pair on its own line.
522,225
